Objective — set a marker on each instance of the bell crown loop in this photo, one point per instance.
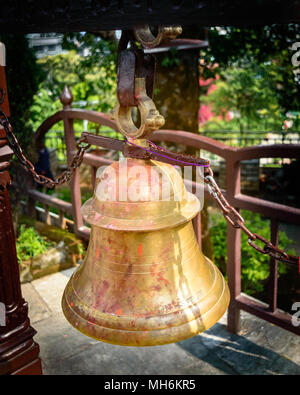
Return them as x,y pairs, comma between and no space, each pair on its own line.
150,118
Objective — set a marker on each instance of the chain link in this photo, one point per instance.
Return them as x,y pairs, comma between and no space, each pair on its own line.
237,221
66,176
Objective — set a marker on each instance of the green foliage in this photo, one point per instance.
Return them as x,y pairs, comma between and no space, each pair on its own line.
255,266
64,193
230,44
23,78
256,71
171,58
92,87
62,69
30,244
215,124
250,93
42,108
240,46
99,48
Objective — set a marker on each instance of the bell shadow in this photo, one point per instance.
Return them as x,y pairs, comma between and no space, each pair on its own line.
177,265
184,281
236,355
191,306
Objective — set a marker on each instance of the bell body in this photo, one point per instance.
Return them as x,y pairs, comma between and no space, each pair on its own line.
144,280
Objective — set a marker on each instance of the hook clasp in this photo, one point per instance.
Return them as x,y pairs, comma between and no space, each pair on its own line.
150,118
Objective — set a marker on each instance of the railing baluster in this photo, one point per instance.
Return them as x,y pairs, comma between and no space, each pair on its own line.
197,222
233,187
47,214
61,220
93,176
66,99
273,278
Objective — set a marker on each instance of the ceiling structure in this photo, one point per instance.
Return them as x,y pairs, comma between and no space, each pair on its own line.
30,16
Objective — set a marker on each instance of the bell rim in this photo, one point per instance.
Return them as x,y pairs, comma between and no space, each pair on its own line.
165,335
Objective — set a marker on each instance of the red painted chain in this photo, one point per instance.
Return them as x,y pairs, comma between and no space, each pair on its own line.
237,221
66,176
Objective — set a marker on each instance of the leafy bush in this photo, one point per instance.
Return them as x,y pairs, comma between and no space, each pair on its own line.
249,92
255,266
93,87
64,193
30,244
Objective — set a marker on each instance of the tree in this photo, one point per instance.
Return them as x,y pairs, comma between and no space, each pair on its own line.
241,46
60,70
249,92
94,86
23,78
99,48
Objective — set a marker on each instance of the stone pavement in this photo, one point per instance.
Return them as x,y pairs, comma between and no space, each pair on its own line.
261,348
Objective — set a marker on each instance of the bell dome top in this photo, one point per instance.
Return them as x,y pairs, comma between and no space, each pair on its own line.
139,195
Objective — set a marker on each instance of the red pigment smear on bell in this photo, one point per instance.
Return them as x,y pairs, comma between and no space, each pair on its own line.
160,277
97,216
97,253
119,312
140,249
152,270
102,291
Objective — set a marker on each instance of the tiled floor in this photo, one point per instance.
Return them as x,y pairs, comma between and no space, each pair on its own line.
261,348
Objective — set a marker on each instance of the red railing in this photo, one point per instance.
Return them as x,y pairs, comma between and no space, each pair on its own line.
232,156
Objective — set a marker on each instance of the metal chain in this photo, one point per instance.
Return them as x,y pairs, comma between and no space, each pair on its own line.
237,221
230,213
66,176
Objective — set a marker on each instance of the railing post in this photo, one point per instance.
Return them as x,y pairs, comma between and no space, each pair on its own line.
93,176
61,220
31,205
66,99
233,248
47,214
273,277
19,354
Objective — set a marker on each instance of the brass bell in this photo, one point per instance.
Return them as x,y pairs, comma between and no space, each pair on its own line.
144,280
